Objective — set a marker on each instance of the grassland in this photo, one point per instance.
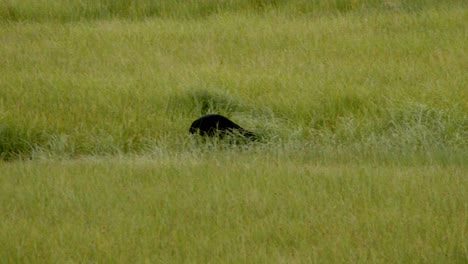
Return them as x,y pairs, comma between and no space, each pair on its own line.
361,106
251,208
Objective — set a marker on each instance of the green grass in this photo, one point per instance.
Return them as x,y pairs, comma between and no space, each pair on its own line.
75,10
119,86
361,106
231,209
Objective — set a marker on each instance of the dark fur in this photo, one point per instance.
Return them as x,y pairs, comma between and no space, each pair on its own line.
217,125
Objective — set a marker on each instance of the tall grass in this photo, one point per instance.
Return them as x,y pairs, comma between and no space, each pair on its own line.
231,208
361,107
61,10
384,80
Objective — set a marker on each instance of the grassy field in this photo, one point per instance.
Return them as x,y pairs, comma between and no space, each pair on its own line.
251,208
361,106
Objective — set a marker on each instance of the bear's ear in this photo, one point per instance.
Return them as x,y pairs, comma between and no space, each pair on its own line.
194,130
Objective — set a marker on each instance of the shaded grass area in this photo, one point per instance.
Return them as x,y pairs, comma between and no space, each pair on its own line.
16,143
226,207
76,10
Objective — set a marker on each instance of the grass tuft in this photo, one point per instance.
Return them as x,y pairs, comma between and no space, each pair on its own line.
200,102
17,143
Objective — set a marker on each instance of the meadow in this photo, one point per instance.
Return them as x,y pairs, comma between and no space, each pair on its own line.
361,107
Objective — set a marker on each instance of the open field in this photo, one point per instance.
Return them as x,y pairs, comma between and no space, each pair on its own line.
361,106
250,208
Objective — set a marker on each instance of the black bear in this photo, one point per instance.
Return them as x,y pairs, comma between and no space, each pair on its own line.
218,125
